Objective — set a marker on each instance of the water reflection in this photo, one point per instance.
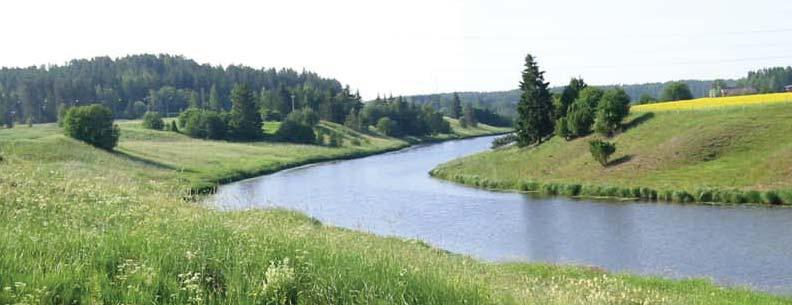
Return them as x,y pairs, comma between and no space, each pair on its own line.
392,194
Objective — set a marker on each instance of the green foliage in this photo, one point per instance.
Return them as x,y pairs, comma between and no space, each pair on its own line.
153,120
676,91
214,99
387,126
173,126
601,151
535,108
469,116
410,119
354,122
611,110
646,98
92,124
244,121
203,124
304,116
580,117
295,132
568,96
504,140
561,128
455,110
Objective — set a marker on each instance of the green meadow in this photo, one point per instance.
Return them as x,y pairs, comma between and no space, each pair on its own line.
86,226
732,154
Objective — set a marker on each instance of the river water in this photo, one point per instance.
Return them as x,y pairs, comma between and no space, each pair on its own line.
393,194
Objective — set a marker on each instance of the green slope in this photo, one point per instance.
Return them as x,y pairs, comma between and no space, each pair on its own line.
738,148
85,226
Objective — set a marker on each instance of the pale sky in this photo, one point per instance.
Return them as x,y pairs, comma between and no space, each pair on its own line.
413,47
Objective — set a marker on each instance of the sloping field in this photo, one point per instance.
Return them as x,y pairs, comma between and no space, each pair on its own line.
746,148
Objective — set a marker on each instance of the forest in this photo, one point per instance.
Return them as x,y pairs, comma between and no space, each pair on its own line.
168,84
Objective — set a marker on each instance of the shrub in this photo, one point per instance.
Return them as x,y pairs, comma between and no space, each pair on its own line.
355,142
92,124
153,120
682,197
612,109
304,116
561,129
786,196
387,126
295,131
601,151
705,196
173,126
753,197
528,186
570,190
203,124
772,197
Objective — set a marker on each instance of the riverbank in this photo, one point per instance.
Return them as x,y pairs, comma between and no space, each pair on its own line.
732,155
86,226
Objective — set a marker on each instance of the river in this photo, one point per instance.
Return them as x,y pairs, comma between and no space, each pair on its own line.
393,194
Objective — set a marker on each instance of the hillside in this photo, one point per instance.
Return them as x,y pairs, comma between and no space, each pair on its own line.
83,225
724,150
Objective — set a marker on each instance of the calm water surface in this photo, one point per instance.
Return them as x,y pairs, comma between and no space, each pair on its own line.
392,194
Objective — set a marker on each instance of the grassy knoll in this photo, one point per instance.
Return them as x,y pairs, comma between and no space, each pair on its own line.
204,163
713,154
82,225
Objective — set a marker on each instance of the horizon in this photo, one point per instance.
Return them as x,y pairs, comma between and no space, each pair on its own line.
415,48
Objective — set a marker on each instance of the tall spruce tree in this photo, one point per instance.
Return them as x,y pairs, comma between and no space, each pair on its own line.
535,109
244,121
456,107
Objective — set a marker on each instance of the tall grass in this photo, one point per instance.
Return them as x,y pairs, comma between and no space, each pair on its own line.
84,226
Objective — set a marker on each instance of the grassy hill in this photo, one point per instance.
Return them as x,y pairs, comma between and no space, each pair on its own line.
725,150
87,226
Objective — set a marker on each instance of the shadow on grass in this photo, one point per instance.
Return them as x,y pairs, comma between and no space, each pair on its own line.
639,120
620,160
146,161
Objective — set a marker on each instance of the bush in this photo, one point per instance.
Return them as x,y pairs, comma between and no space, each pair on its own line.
387,126
203,124
611,110
153,120
304,116
295,131
601,151
173,127
772,197
92,124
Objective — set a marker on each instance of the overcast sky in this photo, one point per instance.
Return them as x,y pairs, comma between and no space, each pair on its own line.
408,47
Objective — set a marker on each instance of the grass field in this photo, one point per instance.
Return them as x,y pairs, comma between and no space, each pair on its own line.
84,226
697,152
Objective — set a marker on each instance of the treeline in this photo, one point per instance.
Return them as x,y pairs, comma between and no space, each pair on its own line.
504,103
130,86
768,80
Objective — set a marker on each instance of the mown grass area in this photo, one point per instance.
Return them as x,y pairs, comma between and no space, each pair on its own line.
728,154
205,163
85,226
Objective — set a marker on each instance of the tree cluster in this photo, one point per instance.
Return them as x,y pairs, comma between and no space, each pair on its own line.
92,124
404,119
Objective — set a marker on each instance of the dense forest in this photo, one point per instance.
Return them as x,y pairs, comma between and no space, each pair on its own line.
505,102
132,85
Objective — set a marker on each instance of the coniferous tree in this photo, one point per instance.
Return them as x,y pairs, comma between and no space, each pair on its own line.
214,99
456,107
244,120
535,107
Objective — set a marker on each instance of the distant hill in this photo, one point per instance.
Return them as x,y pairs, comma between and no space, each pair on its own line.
504,102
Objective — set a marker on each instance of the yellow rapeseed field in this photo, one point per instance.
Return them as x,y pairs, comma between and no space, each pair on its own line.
717,102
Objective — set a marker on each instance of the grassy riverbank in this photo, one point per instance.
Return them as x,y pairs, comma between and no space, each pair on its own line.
82,225
734,153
